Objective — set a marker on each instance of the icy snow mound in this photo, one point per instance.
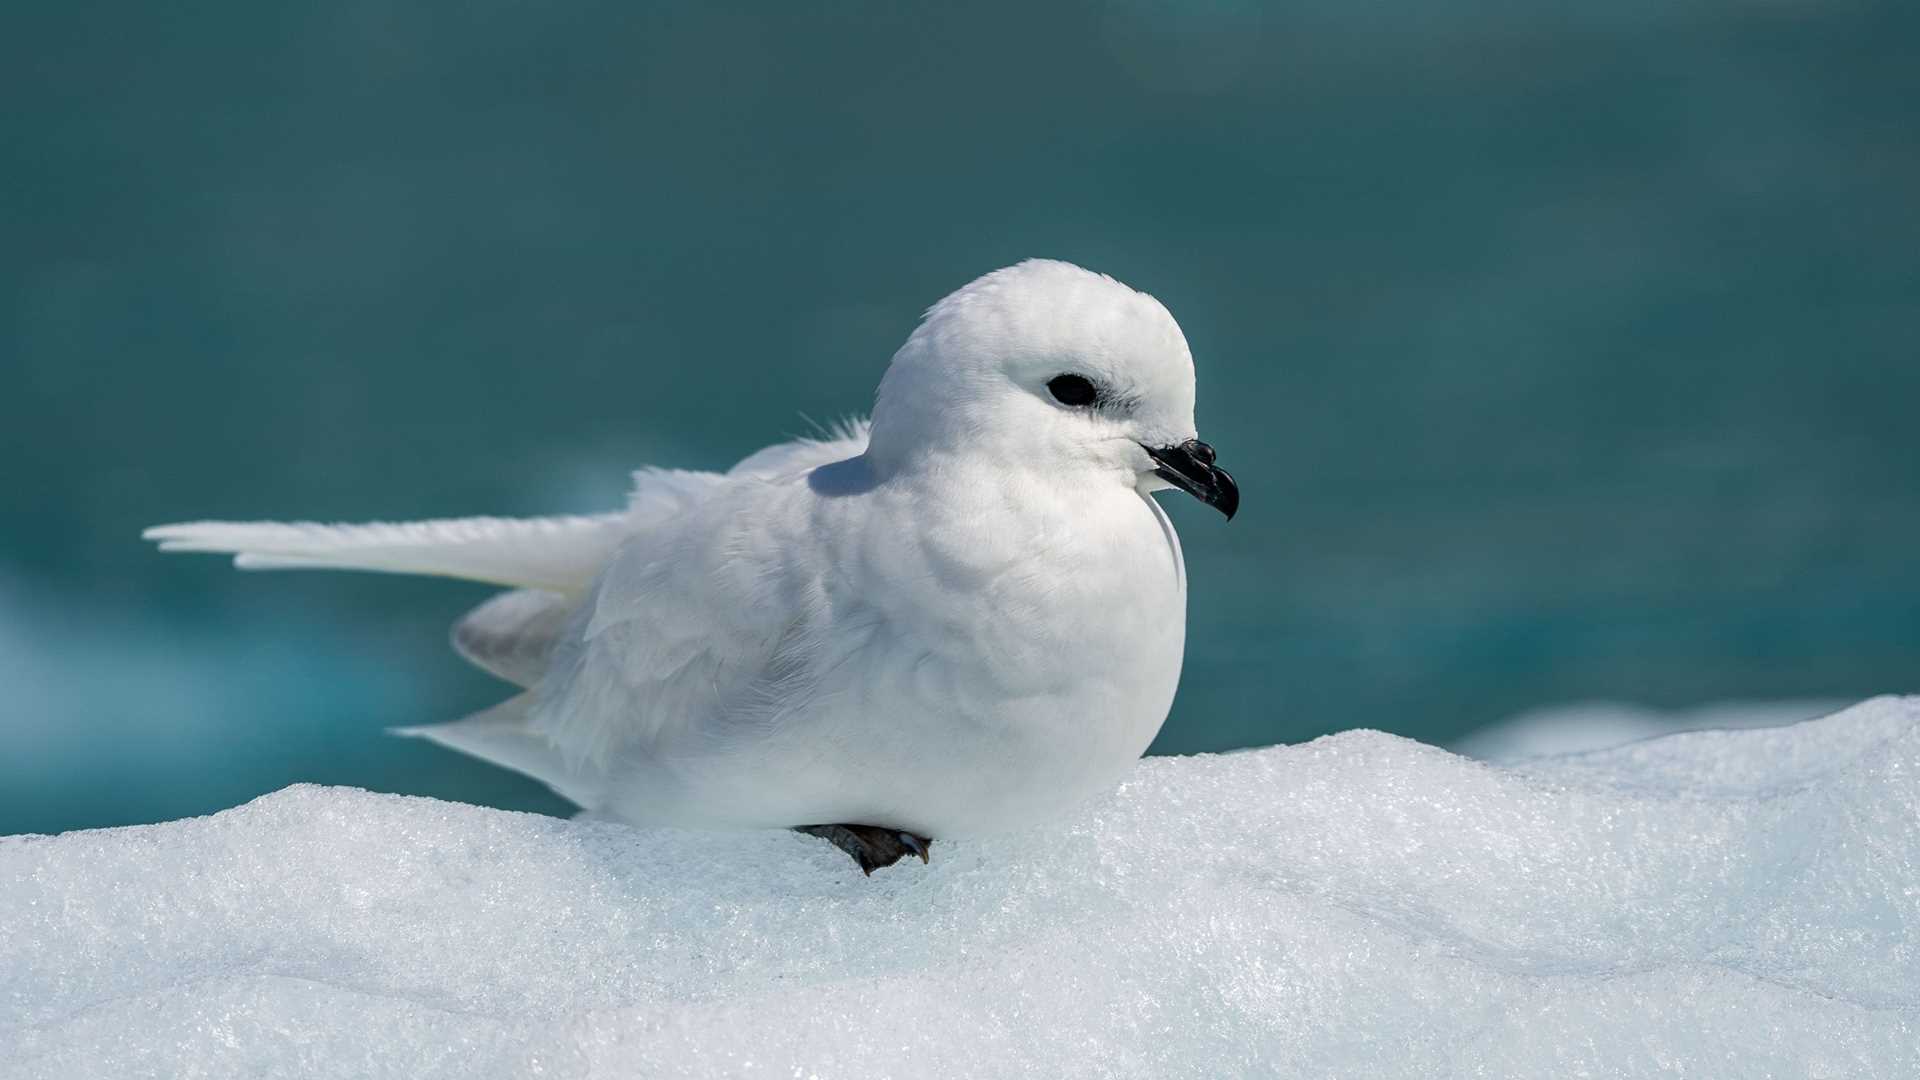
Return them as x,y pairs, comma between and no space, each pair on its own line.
1719,904
1598,725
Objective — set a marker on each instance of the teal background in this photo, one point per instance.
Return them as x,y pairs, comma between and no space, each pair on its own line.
1561,351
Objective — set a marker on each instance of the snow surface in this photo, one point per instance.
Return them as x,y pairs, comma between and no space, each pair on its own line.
1597,725
1716,904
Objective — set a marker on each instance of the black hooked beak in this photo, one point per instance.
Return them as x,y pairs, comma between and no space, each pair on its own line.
1189,467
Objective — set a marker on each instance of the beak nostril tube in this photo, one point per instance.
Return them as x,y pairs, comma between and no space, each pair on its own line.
1189,467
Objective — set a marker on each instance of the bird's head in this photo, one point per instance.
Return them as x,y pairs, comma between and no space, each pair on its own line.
1055,368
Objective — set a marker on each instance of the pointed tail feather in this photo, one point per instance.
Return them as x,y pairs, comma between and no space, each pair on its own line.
501,736
557,553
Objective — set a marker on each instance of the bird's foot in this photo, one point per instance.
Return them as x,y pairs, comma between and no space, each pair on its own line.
870,845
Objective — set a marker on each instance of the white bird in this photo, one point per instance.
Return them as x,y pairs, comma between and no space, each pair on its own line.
966,616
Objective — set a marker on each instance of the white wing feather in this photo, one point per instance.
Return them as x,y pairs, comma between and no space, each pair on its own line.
560,554
633,661
706,622
845,439
557,553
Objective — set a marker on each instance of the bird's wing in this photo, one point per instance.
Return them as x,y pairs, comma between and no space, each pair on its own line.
646,571
557,554
845,439
513,635
689,610
710,623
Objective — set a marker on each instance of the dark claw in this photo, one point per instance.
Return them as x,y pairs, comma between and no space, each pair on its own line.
916,845
870,846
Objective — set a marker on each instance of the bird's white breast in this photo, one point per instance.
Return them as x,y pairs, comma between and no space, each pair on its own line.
967,653
1029,643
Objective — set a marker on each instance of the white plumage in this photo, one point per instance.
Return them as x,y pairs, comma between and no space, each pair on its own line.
966,617
552,552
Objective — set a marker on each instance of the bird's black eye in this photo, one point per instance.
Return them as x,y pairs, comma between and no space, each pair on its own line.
1075,390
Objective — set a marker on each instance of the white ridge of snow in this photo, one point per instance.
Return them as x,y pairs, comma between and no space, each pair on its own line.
1580,726
1718,904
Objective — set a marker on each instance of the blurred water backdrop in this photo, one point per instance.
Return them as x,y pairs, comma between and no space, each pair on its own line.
1562,351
